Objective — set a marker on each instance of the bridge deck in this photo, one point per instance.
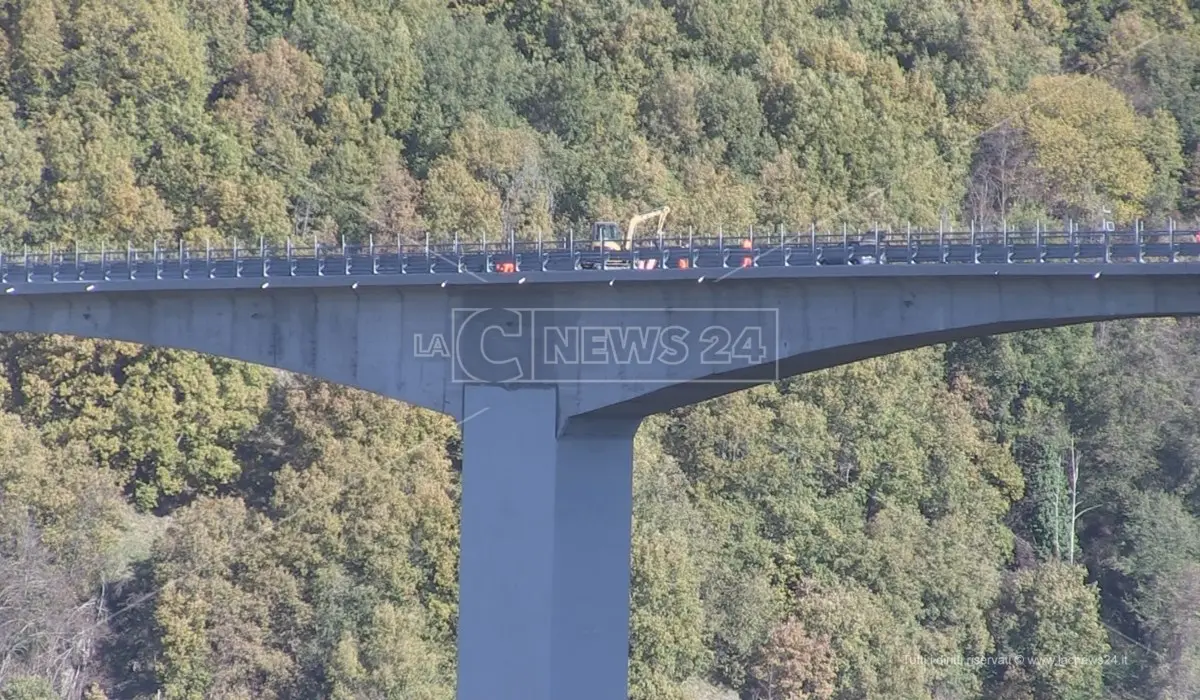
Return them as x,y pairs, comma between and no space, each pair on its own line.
579,261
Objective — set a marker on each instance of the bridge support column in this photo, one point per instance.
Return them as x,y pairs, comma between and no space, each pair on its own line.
544,574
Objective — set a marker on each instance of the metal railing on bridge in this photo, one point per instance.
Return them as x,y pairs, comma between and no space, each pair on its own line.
566,255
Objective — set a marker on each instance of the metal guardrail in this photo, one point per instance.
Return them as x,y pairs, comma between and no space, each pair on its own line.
565,256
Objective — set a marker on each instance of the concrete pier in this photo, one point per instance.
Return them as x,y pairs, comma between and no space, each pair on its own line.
544,577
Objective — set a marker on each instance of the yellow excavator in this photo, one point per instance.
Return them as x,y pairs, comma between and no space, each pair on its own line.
606,235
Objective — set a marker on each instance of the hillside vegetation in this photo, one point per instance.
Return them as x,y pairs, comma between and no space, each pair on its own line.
184,527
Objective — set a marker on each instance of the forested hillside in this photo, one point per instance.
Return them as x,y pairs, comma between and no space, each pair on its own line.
184,527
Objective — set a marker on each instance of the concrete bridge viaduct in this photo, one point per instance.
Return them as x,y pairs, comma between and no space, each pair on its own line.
550,374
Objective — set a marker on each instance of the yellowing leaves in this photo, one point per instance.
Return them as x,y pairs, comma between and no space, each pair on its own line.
395,200
834,55
493,180
1087,146
244,210
281,81
795,664
94,192
457,202
137,48
645,182
713,197
355,574
807,538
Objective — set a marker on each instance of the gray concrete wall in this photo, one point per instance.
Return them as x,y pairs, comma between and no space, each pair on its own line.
373,336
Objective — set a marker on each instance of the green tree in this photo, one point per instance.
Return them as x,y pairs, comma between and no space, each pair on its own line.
28,689
224,27
669,556
166,424
870,140
219,593
339,577
1158,557
1049,619
35,53
21,165
469,66
366,52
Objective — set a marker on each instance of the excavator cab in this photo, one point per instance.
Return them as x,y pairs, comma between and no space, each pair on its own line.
606,234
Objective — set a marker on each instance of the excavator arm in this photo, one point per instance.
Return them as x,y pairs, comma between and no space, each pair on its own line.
641,218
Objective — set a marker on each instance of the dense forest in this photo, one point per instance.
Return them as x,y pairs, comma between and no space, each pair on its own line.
1013,517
